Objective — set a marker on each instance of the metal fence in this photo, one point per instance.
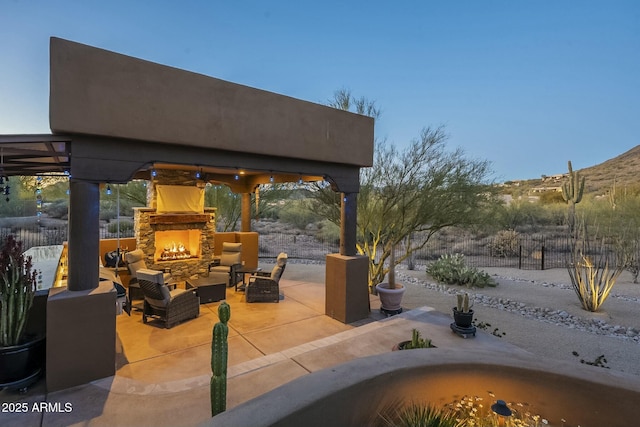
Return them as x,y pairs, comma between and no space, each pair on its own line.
528,252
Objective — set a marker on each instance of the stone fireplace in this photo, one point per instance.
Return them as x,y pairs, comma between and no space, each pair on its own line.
176,232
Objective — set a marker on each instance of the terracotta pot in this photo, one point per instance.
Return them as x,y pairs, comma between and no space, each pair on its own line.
390,299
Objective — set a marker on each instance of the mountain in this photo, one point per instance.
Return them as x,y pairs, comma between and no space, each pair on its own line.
624,170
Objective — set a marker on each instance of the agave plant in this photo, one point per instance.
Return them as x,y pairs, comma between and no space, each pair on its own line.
17,288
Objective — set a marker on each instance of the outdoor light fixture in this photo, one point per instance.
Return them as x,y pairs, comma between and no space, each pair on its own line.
501,409
108,190
300,180
154,173
236,177
271,178
198,173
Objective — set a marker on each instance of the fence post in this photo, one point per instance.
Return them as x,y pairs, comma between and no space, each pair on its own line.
520,257
542,258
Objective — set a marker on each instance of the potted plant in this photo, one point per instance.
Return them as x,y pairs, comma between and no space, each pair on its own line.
391,293
416,341
21,355
462,313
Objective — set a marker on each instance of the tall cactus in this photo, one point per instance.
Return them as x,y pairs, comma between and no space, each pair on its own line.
17,289
572,190
219,353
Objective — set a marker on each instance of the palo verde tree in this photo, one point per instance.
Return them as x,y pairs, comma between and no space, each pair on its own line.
410,194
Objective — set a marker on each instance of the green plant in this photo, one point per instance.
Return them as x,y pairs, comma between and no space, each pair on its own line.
506,243
219,354
463,303
417,341
591,276
17,288
592,282
572,190
452,270
124,227
419,415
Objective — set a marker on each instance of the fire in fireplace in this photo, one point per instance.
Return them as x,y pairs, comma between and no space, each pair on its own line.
177,244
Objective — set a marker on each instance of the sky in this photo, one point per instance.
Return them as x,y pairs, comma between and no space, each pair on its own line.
526,85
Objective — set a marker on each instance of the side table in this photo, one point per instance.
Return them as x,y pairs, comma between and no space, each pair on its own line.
209,289
241,275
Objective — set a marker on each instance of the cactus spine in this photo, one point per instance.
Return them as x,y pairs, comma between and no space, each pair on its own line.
572,190
219,353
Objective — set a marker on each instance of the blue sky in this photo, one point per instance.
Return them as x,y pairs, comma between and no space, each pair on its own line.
524,84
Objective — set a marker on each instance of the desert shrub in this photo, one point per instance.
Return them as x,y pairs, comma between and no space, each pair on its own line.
551,197
125,226
506,243
58,209
451,269
299,214
415,414
328,232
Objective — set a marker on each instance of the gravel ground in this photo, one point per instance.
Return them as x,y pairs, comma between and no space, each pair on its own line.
540,312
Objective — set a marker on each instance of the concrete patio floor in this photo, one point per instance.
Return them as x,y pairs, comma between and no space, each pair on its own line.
162,376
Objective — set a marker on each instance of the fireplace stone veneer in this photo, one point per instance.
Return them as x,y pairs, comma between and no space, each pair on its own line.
147,222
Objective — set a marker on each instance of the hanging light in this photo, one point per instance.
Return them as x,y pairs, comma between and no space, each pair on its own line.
154,173
108,190
198,173
271,178
300,180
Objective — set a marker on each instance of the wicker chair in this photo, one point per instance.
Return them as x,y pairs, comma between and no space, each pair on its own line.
264,286
135,261
170,306
230,260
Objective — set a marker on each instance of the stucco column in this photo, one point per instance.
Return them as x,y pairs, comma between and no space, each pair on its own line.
246,212
348,218
84,235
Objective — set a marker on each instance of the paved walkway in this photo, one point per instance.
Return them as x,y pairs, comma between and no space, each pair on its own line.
162,376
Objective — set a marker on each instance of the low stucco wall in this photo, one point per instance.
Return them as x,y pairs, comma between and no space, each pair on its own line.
350,394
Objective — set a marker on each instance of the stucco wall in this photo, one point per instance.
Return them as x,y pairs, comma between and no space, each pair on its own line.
98,92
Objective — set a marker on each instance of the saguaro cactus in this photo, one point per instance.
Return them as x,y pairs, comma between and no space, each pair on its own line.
219,353
572,190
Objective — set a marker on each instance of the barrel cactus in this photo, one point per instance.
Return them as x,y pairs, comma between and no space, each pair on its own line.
219,353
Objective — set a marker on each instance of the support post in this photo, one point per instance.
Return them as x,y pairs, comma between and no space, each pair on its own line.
84,235
81,319
245,225
348,223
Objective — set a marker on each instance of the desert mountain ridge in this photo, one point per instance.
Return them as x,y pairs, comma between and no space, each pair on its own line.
623,170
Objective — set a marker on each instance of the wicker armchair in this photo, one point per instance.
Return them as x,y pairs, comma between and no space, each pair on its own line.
264,286
230,260
135,261
170,306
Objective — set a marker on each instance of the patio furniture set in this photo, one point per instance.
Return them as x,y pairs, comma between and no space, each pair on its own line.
162,298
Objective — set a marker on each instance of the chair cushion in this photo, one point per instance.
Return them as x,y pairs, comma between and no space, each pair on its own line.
281,260
134,256
231,258
156,277
276,273
231,247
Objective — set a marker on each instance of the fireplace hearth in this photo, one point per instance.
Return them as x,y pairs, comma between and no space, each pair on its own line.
176,232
